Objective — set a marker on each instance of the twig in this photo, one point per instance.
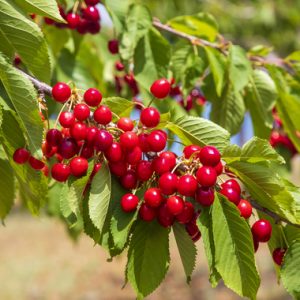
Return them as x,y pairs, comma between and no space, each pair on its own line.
40,86
272,214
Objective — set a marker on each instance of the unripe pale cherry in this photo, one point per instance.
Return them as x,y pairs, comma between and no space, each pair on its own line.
129,202
61,92
79,166
92,97
262,230
206,176
21,156
160,88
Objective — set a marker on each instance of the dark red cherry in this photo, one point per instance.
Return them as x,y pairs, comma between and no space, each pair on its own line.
134,156
103,140
91,13
21,156
118,168
205,196
73,20
278,255
147,213
60,172
262,230
78,131
113,46
67,148
36,163
129,180
187,214
175,205
153,197
54,137
165,217
91,135
114,153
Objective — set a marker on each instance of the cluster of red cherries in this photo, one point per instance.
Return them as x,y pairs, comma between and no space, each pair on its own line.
175,187
84,19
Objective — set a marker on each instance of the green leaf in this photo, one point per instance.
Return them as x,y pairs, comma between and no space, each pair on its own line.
254,151
23,96
27,39
204,223
120,106
288,107
138,21
290,272
186,248
193,130
239,69
295,56
228,110
234,250
151,58
201,25
46,8
7,188
260,98
217,64
32,183
266,187
100,196
148,257
6,47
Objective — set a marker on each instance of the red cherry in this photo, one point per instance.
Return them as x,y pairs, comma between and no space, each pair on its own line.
48,150
153,197
118,168
147,213
87,151
79,166
160,88
129,202
94,27
113,46
187,214
73,20
92,97
210,156
60,172
114,153
53,137
175,205
206,176
125,124
91,13
61,92
66,119
255,244
67,148
169,158
103,115
187,185
143,142
48,21
219,168
156,140
262,230
150,117
161,165
188,151
82,26
245,209
133,156
278,255
91,135
196,237
78,131
103,140
96,169
129,140
21,156
65,132
231,194
36,163
91,2
144,170
232,183
205,196
165,217
119,66
192,229
129,180
81,112
168,183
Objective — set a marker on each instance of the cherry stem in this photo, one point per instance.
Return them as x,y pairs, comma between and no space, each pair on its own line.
62,109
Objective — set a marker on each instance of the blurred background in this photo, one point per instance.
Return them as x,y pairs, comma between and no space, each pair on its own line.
39,260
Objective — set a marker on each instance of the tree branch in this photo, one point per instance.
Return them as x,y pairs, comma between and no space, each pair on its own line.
40,86
272,214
